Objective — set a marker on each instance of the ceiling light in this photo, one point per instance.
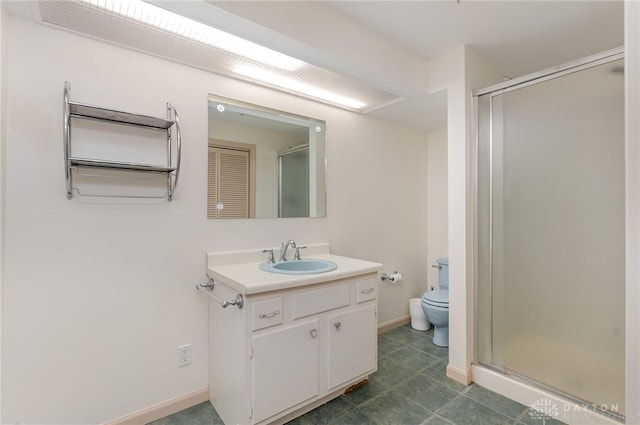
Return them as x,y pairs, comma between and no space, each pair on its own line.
290,84
157,17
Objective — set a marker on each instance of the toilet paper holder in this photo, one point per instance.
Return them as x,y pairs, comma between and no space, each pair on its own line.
392,277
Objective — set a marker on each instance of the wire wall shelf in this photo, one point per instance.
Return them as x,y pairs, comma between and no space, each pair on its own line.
117,169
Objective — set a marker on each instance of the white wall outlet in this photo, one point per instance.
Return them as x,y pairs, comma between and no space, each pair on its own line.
184,355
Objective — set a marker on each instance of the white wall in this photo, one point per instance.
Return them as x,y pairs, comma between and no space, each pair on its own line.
97,296
437,219
460,71
378,211
632,307
447,72
3,87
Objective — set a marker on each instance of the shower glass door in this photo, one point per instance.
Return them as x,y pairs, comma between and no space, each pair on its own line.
551,220
293,182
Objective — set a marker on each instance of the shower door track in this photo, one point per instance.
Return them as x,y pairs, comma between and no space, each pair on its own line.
550,73
593,407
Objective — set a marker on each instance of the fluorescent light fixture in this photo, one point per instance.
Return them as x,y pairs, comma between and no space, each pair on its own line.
165,20
290,84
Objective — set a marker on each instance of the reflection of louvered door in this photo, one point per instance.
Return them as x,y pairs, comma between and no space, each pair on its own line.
229,183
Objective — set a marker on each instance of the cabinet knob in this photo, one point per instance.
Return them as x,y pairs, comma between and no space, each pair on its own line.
314,333
337,325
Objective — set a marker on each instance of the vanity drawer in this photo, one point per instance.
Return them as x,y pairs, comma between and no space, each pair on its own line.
366,290
266,313
319,300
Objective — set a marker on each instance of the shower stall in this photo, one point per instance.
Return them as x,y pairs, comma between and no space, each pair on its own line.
551,231
293,182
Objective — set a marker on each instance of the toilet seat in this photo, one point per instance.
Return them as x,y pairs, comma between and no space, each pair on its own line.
437,298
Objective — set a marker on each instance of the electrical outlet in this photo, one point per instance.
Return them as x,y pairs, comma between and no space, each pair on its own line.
184,355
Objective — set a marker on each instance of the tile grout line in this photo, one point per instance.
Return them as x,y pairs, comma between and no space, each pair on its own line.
523,414
443,419
450,401
422,372
517,418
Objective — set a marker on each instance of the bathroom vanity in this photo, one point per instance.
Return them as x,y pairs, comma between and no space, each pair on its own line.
297,342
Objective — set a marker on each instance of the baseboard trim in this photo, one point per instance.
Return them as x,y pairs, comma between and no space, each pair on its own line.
169,407
459,375
392,324
163,409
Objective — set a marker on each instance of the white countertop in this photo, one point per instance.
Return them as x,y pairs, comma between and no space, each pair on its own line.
247,278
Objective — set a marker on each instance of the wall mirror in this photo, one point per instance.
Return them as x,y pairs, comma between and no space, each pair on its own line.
264,163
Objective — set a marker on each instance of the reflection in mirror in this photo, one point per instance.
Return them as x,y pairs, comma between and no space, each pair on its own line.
264,163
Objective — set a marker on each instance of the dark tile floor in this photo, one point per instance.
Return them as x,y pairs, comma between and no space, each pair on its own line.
410,388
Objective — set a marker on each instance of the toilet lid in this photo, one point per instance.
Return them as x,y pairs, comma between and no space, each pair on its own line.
439,297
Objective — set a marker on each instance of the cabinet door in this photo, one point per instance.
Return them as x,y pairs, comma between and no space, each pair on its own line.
285,369
352,345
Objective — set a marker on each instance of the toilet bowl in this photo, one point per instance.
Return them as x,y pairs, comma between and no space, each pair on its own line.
435,305
418,319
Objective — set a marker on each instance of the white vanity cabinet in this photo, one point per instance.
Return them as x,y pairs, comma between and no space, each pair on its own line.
351,345
285,368
290,350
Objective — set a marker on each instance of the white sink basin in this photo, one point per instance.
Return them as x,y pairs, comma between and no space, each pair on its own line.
304,266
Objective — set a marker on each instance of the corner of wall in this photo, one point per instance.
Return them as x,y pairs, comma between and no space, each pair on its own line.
449,72
480,71
443,71
632,110
459,71
3,85
437,219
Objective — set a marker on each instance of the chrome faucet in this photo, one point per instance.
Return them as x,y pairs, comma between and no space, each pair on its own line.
283,249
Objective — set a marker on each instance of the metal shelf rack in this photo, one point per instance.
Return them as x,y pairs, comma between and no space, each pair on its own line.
171,126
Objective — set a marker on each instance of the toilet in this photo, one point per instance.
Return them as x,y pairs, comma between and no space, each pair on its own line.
436,305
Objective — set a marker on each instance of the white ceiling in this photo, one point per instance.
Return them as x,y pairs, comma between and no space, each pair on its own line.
518,37
384,44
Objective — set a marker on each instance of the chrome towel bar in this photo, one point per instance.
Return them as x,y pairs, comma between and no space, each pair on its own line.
208,287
